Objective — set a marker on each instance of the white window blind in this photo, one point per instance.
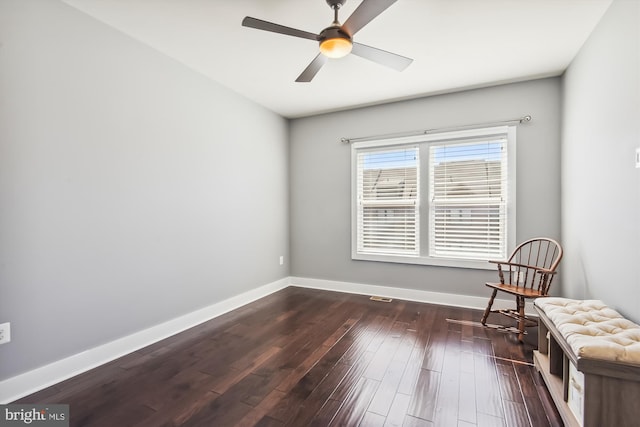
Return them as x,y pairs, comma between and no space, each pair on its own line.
468,194
387,195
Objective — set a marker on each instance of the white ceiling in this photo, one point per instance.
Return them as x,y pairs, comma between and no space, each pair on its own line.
455,44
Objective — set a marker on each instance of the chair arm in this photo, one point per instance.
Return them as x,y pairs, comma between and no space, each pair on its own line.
545,271
515,264
533,267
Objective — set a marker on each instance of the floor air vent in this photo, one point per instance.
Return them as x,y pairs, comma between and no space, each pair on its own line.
381,299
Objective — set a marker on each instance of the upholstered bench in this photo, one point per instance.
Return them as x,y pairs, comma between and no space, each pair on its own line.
593,330
589,356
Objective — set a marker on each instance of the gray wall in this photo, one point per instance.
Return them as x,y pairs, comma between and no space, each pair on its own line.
320,180
600,185
132,189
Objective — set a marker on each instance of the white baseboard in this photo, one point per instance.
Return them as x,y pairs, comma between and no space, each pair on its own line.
35,380
440,298
32,381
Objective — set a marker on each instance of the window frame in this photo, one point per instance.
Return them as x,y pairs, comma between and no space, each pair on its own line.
424,141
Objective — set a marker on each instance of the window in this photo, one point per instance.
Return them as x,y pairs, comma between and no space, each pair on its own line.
459,212
467,190
387,201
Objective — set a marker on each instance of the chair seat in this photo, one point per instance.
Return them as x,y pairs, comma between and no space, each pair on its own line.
516,290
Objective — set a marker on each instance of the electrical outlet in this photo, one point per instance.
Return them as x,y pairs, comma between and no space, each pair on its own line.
5,333
281,259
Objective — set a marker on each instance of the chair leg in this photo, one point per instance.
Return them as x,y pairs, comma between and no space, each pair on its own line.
521,320
488,309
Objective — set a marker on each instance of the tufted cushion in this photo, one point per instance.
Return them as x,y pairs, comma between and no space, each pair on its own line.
592,329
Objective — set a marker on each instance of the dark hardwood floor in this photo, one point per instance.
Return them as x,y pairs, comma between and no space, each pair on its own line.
303,357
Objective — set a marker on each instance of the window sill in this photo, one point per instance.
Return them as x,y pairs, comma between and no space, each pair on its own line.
417,260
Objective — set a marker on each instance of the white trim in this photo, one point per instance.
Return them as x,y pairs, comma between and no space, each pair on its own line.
32,381
512,194
425,260
439,298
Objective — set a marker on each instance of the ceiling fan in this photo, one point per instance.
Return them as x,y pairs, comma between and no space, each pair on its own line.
336,41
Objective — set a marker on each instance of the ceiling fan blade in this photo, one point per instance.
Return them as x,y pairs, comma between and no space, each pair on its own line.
276,28
312,69
365,13
382,57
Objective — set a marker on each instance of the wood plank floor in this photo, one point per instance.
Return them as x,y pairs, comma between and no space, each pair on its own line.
303,357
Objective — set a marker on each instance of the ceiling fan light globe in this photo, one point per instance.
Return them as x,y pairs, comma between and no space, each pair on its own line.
336,47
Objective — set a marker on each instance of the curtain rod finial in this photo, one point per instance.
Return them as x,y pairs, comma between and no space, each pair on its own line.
345,140
526,118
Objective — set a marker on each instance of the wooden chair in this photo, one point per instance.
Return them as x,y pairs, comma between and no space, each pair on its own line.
527,273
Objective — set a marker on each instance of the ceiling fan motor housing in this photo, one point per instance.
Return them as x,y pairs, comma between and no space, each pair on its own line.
333,32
